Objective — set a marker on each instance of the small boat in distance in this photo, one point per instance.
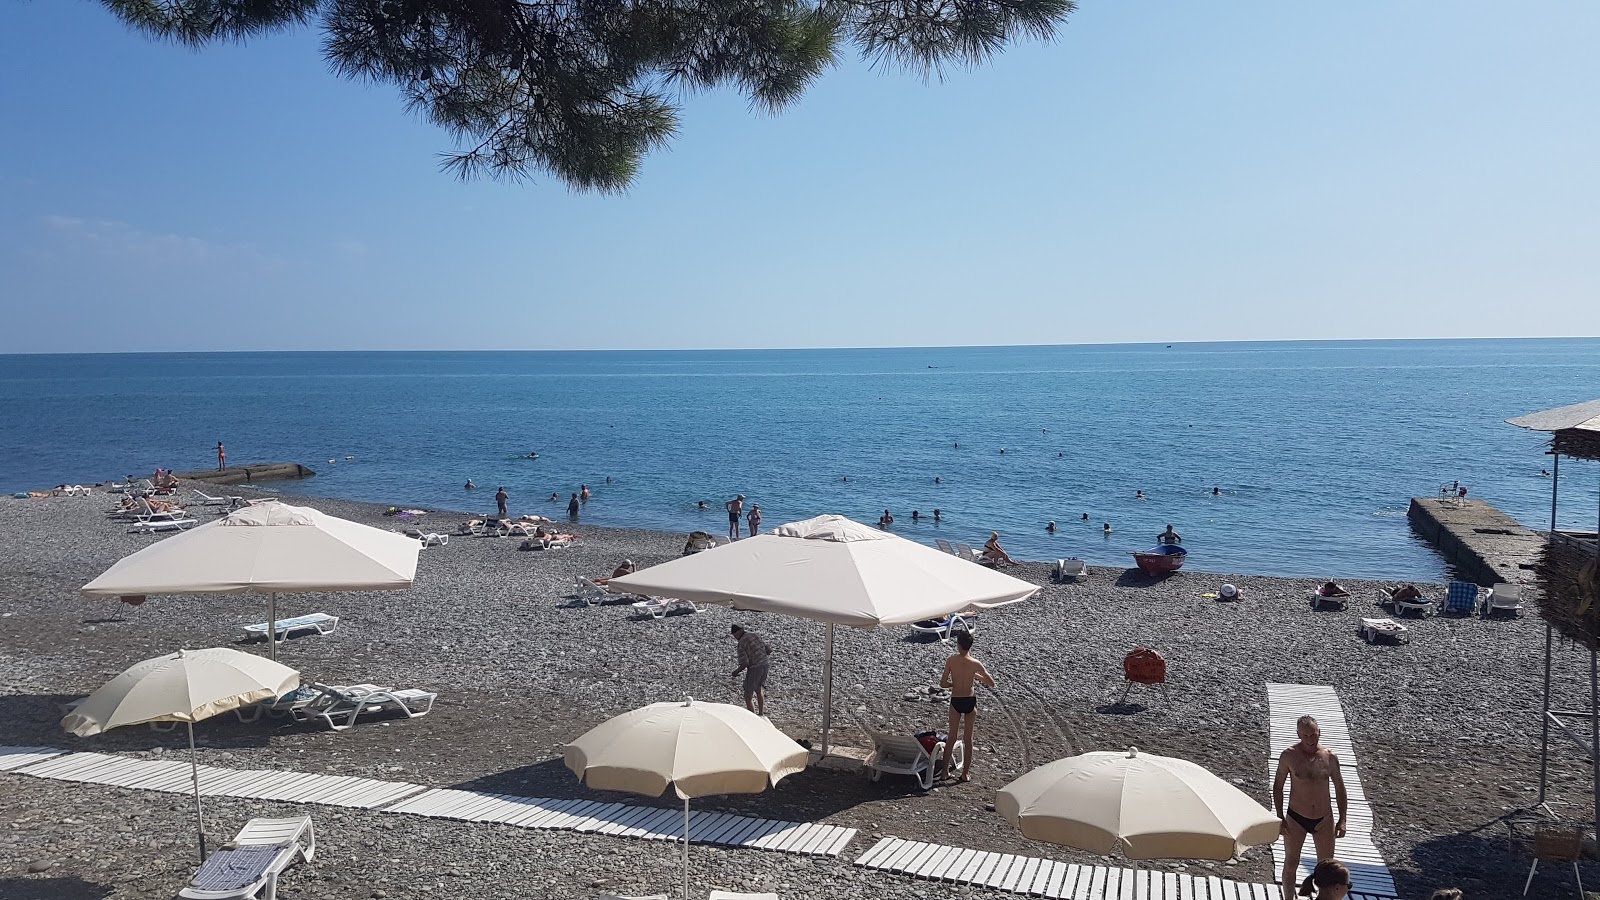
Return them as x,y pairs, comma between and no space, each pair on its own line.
1162,560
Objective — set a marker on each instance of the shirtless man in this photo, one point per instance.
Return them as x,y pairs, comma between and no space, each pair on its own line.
959,673
735,509
1312,766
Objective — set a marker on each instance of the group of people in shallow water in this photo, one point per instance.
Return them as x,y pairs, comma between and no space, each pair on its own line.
574,505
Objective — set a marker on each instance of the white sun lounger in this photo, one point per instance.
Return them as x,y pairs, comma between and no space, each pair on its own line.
734,895
151,526
945,546
339,707
658,607
902,754
1372,630
1070,569
589,591
248,866
1501,598
208,500
428,538
320,622
966,552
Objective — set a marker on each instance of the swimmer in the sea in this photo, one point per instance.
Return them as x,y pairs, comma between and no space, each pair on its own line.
470,485
1107,528
1051,527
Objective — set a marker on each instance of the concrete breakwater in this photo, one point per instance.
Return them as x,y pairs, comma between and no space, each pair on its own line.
249,474
1483,544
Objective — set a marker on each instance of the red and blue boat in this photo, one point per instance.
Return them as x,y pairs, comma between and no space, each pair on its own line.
1161,560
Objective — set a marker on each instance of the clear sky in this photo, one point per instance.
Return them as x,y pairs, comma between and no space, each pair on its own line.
1163,172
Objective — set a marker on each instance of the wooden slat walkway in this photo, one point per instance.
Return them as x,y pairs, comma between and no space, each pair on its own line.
1052,878
618,819
1286,703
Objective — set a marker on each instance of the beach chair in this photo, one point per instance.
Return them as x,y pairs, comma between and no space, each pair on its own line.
1461,597
904,754
208,500
320,622
589,591
945,627
151,526
967,553
432,539
1070,569
658,607
634,897
339,707
733,895
1422,606
1321,599
249,865
945,546
279,707
1502,598
1374,630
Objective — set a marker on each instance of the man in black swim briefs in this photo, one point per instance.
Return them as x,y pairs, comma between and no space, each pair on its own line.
735,509
960,673
1309,768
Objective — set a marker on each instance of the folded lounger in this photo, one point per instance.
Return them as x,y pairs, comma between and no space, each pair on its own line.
249,865
340,706
225,500
320,622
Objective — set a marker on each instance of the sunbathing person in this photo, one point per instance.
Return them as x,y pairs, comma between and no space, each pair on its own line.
994,552
1332,589
1405,592
627,568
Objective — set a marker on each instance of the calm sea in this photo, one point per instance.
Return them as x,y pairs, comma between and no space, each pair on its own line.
1315,446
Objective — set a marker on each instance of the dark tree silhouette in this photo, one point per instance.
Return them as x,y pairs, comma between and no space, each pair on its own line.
583,89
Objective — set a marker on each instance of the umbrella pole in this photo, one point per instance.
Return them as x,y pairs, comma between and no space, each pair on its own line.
272,625
199,817
686,848
827,692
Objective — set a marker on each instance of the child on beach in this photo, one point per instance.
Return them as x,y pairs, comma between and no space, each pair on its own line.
960,671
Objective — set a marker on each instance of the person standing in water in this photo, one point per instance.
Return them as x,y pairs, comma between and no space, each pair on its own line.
222,457
754,519
500,498
583,493
960,673
573,506
1309,768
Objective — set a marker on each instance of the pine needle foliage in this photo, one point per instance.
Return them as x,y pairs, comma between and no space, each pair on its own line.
585,89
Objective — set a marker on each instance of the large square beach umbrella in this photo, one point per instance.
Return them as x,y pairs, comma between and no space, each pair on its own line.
268,547
834,570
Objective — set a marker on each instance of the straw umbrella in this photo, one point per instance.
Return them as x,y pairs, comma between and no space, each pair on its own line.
185,686
1152,807
832,570
268,547
701,749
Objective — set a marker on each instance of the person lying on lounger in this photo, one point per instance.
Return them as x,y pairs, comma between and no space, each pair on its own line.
627,568
1332,589
1405,592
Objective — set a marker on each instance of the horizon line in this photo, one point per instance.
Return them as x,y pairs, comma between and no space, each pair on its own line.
1157,343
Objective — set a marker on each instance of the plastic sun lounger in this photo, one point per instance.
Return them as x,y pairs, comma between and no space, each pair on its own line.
1422,606
589,591
945,546
733,895
249,865
1372,630
966,552
151,526
1460,597
340,707
320,622
658,607
208,500
1070,569
902,754
946,626
1502,598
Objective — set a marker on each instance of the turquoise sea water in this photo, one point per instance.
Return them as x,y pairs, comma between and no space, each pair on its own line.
1316,446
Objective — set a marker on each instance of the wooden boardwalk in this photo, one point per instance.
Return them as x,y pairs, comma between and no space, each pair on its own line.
1286,703
1052,878
588,816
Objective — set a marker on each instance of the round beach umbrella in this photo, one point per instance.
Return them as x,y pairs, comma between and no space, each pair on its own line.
1152,807
185,686
834,570
268,547
701,749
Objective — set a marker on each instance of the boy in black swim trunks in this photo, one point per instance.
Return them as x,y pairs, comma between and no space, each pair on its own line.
1309,767
960,671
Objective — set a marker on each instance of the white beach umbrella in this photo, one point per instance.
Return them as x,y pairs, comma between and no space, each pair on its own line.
1151,807
185,686
833,570
701,749
267,547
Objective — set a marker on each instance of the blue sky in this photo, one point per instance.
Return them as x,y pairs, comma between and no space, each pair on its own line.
1163,172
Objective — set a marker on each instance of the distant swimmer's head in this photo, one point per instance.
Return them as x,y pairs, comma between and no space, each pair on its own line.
1107,527
1085,517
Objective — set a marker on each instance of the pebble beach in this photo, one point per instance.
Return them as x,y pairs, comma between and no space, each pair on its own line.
1445,728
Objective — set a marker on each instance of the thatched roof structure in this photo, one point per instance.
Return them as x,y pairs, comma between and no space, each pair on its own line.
1568,577
1575,429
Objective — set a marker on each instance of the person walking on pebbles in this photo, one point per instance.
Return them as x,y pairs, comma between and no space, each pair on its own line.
753,653
960,673
500,498
1309,768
